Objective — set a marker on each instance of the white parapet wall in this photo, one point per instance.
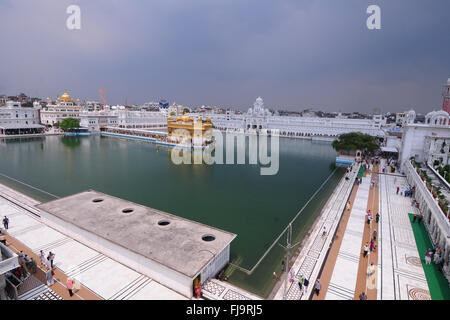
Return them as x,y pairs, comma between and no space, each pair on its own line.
436,222
8,259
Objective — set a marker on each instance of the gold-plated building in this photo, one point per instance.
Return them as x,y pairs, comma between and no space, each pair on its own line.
186,127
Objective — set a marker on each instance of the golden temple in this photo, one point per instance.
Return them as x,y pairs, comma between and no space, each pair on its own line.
188,127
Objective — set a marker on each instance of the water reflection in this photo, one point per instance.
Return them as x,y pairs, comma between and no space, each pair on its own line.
71,141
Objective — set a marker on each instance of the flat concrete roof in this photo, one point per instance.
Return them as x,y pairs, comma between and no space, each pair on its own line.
178,245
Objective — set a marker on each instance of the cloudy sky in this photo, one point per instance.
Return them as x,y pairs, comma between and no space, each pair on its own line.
296,54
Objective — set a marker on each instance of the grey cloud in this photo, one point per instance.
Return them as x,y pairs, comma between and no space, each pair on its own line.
296,54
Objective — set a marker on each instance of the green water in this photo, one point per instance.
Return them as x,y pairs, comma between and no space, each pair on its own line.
235,198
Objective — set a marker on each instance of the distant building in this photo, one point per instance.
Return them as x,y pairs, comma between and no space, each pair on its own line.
95,121
259,118
22,98
446,95
14,119
151,106
3,99
141,119
309,113
400,118
64,108
93,106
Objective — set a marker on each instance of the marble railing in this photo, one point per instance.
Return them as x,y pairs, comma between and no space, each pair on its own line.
432,203
439,176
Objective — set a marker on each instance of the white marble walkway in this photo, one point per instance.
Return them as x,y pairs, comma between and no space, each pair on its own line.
401,273
314,251
343,280
219,290
105,277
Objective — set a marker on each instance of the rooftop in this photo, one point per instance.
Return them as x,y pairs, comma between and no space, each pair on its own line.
21,126
177,243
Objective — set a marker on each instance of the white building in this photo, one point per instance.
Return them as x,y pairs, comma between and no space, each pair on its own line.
424,141
259,118
62,109
437,150
141,119
93,106
151,104
94,121
15,119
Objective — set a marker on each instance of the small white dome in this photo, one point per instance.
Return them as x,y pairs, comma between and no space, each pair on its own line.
441,113
430,114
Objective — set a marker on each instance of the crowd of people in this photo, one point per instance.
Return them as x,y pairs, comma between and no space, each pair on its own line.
27,264
408,192
436,255
391,166
371,247
160,137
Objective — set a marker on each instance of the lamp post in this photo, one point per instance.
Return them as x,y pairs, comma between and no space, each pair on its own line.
288,255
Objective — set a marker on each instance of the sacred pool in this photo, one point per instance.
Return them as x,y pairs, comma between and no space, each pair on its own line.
235,198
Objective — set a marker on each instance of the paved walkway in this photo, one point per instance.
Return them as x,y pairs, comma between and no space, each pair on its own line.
219,290
343,281
398,273
313,253
367,273
333,254
99,275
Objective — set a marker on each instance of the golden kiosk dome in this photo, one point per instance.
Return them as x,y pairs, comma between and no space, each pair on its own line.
65,97
185,118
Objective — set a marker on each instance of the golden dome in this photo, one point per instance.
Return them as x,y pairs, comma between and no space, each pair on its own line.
185,118
65,97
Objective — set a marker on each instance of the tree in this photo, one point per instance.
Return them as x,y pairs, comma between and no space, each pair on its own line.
68,124
353,141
